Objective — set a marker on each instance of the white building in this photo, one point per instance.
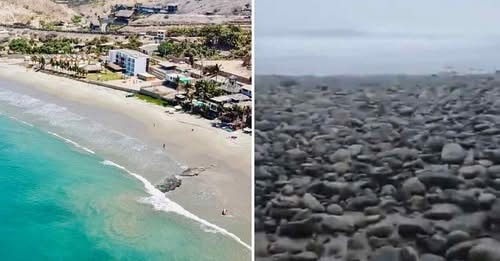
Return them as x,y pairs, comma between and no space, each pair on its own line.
133,62
160,35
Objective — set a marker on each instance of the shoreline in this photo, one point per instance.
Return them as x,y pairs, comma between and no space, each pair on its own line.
191,141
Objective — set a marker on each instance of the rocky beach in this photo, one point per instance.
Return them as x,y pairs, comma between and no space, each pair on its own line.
395,168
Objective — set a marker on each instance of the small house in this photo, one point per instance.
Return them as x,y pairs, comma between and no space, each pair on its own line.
92,68
172,8
172,79
148,8
246,90
146,76
149,49
95,25
160,35
123,16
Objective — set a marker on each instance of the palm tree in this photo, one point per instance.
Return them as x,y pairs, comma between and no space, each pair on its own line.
42,62
216,70
190,91
177,81
52,63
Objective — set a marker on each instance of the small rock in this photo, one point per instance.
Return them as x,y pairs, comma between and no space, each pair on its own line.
470,172
431,257
456,236
304,256
387,253
341,155
442,211
302,228
453,153
312,203
335,209
413,186
337,224
488,251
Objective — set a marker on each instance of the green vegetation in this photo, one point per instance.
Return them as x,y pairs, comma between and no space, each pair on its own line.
151,100
48,46
205,90
215,37
186,49
54,46
48,25
76,19
20,45
133,43
105,75
96,45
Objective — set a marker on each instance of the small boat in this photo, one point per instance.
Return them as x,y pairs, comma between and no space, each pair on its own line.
130,95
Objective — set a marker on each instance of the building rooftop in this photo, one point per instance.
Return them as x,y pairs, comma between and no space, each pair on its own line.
149,47
124,13
133,53
95,22
168,65
233,97
115,67
247,87
145,74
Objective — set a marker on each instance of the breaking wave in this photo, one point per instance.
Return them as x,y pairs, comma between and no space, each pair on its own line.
160,202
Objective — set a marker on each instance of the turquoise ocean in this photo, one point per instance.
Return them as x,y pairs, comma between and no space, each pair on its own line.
60,200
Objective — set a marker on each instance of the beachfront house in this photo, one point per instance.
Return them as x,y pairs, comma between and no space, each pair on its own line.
132,62
172,79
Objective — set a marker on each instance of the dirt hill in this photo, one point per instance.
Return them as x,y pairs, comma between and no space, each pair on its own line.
33,11
223,7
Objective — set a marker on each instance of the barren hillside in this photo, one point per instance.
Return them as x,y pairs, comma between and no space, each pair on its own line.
33,11
223,7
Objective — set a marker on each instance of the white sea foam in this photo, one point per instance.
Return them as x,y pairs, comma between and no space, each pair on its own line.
161,202
21,121
72,142
90,132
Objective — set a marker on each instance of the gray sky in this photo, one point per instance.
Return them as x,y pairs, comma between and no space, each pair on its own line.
376,36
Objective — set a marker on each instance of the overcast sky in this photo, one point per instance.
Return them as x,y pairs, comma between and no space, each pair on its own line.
376,36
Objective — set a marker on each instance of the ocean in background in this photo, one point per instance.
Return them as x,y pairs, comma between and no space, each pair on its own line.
379,54
61,200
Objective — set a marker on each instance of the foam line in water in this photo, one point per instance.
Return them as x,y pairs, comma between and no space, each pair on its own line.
21,121
71,142
161,202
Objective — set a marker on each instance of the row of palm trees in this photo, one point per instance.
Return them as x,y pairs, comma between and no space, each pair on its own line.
66,66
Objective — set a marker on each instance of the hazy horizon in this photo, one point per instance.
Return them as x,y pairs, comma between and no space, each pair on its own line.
387,37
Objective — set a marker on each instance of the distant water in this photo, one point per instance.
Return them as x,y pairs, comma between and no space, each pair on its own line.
332,55
60,200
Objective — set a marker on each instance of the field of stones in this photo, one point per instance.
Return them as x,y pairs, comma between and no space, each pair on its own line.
403,169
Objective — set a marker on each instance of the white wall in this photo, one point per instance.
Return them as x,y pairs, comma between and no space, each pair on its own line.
140,65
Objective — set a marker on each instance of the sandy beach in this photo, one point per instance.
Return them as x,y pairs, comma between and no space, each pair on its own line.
190,140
